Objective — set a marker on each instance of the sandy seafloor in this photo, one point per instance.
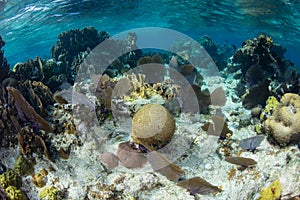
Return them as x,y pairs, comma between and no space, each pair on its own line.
83,174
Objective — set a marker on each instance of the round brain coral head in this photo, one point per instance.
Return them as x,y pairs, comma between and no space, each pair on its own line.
284,124
152,126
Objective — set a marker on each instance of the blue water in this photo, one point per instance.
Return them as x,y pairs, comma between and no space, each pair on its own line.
30,28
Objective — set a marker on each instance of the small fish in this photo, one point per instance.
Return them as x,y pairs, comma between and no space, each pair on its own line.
164,166
110,159
242,161
250,144
198,185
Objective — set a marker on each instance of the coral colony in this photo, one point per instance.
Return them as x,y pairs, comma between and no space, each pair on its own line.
48,152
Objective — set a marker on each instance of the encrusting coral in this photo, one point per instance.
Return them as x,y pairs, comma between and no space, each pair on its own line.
272,192
271,105
10,178
284,124
14,193
50,193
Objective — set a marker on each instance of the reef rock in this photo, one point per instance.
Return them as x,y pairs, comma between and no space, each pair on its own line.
284,124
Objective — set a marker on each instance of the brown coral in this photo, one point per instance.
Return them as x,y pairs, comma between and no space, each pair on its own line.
26,112
284,124
152,126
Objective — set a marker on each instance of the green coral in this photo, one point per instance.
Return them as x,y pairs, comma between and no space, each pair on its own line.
10,178
23,166
272,192
271,104
50,193
14,193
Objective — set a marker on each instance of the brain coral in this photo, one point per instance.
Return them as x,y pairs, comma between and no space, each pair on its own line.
284,124
152,126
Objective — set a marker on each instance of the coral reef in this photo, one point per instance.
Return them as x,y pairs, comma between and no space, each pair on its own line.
264,53
260,60
179,154
283,125
72,42
68,52
30,70
104,90
150,131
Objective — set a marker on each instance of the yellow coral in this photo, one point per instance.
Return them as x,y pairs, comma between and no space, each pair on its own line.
10,178
271,105
14,194
50,193
272,192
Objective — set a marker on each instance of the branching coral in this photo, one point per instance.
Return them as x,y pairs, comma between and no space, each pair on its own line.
284,124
